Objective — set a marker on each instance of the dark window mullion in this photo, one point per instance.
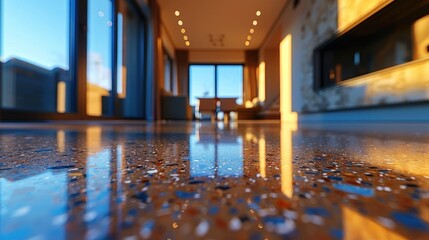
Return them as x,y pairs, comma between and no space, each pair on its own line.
216,82
78,55
113,109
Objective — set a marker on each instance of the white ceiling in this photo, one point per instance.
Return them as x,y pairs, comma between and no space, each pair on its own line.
219,24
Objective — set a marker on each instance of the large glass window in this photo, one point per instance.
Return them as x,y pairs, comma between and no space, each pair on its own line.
209,81
230,82
34,51
38,49
130,83
99,70
168,74
201,82
128,99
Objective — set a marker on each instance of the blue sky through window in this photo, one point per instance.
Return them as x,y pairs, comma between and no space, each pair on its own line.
38,31
99,43
202,81
230,81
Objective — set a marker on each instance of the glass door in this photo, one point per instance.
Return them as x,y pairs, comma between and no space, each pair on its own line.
99,69
130,100
220,81
201,82
230,82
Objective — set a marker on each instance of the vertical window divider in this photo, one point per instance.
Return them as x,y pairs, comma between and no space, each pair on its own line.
144,60
1,54
113,100
216,80
78,54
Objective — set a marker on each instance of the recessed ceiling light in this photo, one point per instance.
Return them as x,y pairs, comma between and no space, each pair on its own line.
247,43
249,37
185,37
252,30
255,22
177,13
182,30
258,13
187,43
180,22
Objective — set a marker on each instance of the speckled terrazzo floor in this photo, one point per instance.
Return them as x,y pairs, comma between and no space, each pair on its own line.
247,180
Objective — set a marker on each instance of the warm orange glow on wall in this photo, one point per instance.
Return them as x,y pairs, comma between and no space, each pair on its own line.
286,157
404,82
261,82
421,37
286,80
262,156
61,97
349,12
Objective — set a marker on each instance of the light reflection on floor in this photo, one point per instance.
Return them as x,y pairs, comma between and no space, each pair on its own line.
246,180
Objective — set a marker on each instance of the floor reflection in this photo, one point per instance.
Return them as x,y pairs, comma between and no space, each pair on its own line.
216,153
203,180
31,202
374,228
286,155
98,193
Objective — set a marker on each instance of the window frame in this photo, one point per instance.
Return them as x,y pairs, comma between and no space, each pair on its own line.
78,43
170,60
215,75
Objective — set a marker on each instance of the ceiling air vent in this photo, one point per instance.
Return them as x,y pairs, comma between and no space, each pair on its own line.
217,40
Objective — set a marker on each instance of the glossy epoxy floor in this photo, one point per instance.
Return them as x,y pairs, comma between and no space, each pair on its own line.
247,180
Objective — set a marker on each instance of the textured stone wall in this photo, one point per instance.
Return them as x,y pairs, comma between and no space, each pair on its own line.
315,21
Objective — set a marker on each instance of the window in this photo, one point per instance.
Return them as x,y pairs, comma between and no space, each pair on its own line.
394,35
230,81
131,42
215,81
168,74
42,44
201,82
34,51
128,87
99,69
